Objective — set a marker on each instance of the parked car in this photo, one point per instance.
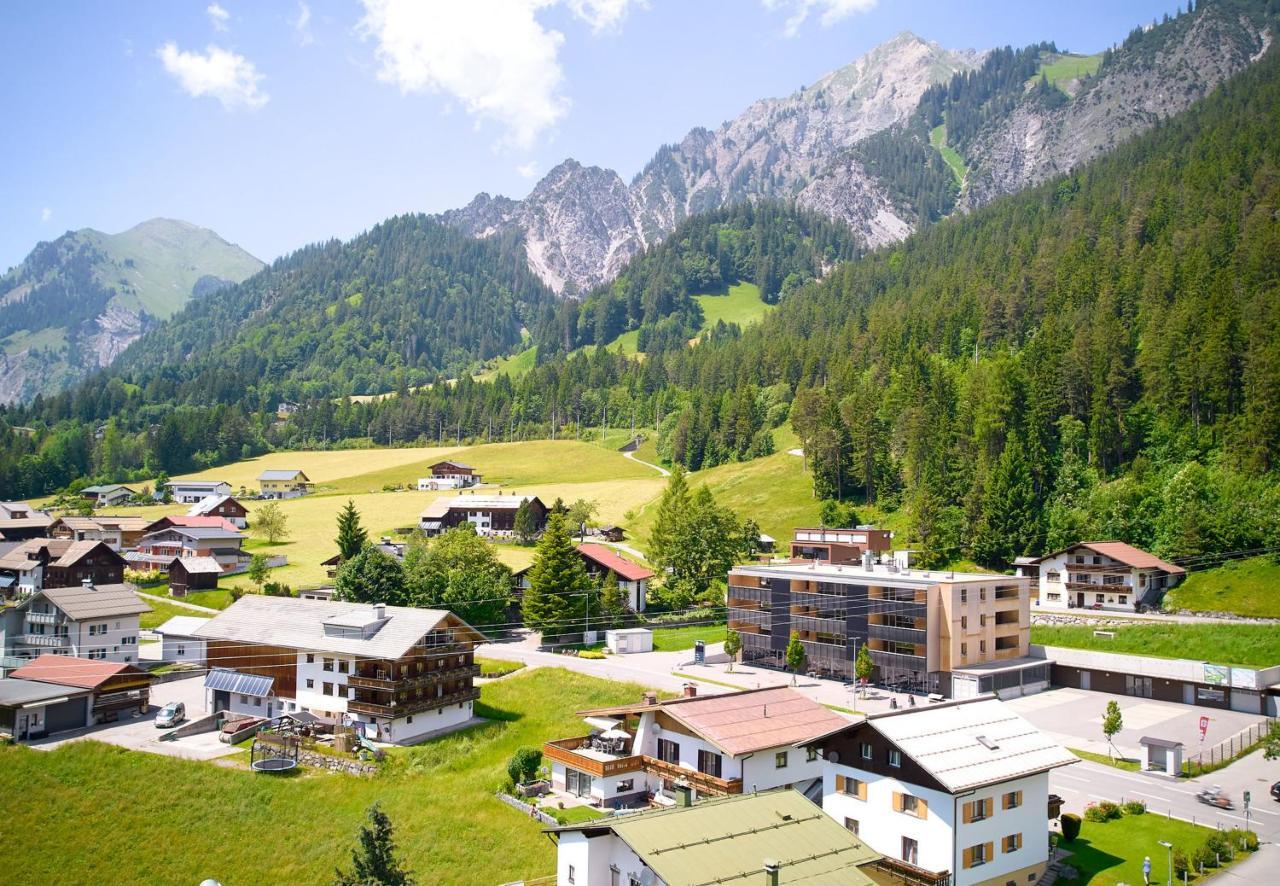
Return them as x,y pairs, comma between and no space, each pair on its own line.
1275,791
171,715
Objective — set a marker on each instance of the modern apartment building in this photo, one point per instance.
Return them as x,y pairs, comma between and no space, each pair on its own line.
927,631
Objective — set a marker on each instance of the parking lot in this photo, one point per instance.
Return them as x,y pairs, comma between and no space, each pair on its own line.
1074,718
140,733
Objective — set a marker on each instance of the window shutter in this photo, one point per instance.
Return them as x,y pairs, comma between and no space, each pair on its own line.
839,784
968,857
968,816
987,853
1018,801
989,807
862,790
897,802
922,808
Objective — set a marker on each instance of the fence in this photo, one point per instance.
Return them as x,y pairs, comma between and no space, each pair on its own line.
273,561
527,809
1233,748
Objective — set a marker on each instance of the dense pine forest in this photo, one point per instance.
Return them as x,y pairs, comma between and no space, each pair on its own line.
1097,356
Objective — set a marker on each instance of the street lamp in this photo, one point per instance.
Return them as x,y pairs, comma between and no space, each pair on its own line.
1167,845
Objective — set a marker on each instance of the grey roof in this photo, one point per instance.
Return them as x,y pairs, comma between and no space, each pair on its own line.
199,565
300,624
198,484
19,692
223,679
103,601
207,504
110,487
200,533
181,626
278,474
969,744
1148,741
442,506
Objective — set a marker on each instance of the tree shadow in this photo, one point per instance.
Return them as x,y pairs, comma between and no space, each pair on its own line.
1088,860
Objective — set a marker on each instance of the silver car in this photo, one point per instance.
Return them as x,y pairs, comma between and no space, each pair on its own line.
171,715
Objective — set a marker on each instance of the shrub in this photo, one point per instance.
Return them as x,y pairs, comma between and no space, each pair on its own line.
1242,839
1181,864
1134,807
1204,858
1217,843
523,765
143,579
591,653
1070,826
1104,811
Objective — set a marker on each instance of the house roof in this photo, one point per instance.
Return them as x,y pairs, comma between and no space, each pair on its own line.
609,559
1127,554
442,506
281,474
41,521
67,670
102,601
198,565
300,624
201,533
63,552
189,521
744,722
968,744
21,692
102,490
181,626
207,504
198,484
127,524
9,507
727,840
452,464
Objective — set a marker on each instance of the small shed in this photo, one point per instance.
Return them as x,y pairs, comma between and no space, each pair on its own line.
613,533
766,543
1161,755
624,641
193,574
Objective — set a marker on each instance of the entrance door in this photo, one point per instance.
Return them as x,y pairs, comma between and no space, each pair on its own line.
1084,679
1080,600
22,727
578,783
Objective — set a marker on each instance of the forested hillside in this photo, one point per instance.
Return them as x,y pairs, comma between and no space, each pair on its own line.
1097,356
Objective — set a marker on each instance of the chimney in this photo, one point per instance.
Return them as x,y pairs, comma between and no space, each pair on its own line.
771,868
87,584
650,698
379,610
690,690
684,795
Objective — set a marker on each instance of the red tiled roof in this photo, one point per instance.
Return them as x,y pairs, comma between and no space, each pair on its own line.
67,670
1122,553
607,558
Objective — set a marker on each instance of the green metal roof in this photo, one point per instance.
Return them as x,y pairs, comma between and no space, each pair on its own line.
728,840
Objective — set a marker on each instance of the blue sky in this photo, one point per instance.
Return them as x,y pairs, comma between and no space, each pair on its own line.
278,124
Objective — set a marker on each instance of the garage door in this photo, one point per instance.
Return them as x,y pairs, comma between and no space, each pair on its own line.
67,715
1246,701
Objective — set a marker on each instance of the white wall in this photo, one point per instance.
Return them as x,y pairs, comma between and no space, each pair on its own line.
402,731
592,858
173,648
119,642
314,698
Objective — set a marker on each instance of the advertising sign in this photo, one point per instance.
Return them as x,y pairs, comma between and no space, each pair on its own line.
1204,727
1244,678
1217,675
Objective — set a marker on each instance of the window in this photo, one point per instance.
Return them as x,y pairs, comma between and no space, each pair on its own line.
182,650
572,878
910,805
978,810
982,647
668,751
977,855
1113,579
964,649
709,763
615,875
328,664
851,787
244,699
1097,560
1053,575
1080,578
851,825
895,757
964,622
311,658
409,719
625,786
1079,558
344,666
811,754
1011,800
1099,598
982,620
910,851
1054,597
780,760
327,689
1012,843
866,750
964,595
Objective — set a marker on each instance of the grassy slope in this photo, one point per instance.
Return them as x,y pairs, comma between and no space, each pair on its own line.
1069,67
1245,587
161,612
515,365
1247,645
233,824
741,305
938,138
322,467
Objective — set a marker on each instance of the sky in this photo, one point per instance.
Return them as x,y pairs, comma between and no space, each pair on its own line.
278,124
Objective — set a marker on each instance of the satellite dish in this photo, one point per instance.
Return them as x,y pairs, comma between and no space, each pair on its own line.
657,727
646,877
833,756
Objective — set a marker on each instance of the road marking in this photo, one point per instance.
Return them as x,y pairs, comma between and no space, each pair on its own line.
1075,778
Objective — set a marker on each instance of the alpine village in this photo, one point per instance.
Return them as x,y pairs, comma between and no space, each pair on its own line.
881,486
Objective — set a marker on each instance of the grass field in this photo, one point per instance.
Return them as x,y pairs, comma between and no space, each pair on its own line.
179,821
514,365
678,639
1246,645
160,613
741,305
1069,67
216,599
1109,853
1245,587
323,468
938,138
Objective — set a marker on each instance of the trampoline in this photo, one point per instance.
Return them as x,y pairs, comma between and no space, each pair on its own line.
273,764
274,753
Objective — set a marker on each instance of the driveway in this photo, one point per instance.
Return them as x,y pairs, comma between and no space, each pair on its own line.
1074,718
140,733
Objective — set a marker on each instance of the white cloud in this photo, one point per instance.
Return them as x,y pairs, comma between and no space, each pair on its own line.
45,215
829,12
493,56
302,25
227,76
528,170
218,17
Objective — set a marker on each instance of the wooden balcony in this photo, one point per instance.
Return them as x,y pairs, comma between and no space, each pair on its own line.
699,781
411,681
411,705
567,751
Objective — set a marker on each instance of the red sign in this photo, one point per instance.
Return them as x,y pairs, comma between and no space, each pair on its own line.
1204,727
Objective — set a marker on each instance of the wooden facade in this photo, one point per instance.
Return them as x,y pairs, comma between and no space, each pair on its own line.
277,662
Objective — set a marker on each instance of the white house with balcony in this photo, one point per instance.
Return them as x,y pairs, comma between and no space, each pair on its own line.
1105,575
958,789
717,745
98,622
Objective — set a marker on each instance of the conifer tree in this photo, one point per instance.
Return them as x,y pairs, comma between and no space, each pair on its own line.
558,582
1010,521
526,523
351,535
664,537
613,602
374,863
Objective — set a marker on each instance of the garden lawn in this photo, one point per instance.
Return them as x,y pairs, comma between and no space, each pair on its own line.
1111,852
677,639
1245,645
215,599
160,613
1118,761
99,804
497,667
1244,587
